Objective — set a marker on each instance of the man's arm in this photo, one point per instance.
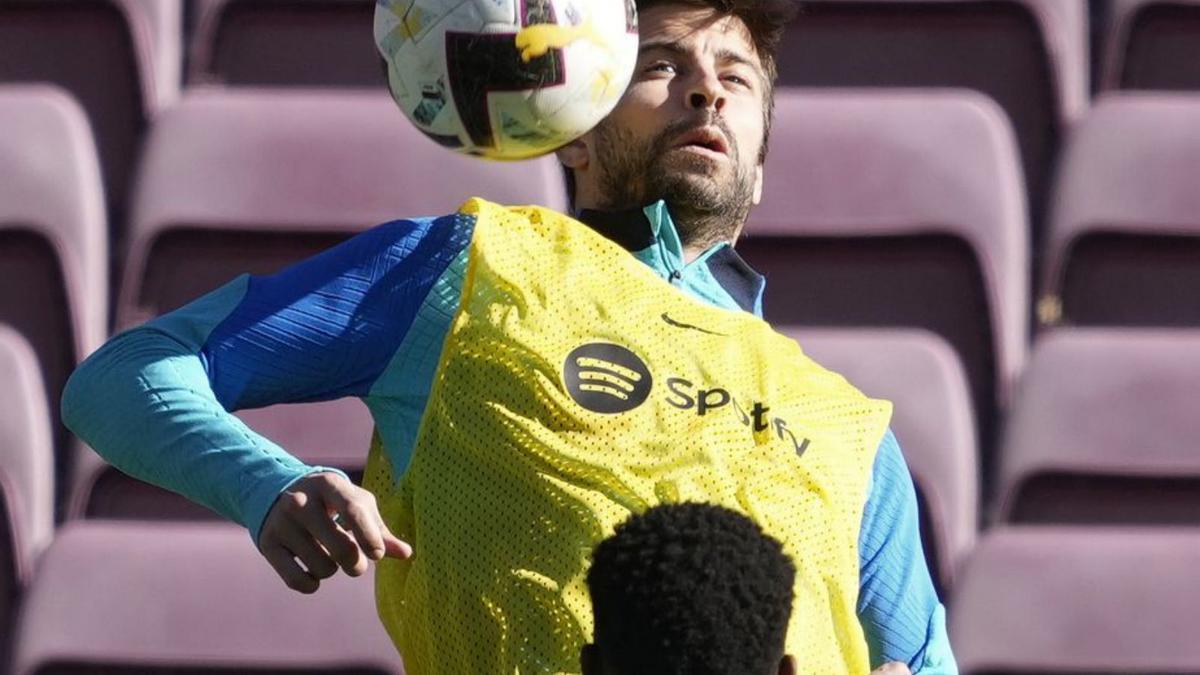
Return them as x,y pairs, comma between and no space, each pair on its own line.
898,607
156,401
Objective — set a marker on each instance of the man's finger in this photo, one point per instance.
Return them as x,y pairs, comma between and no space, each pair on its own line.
361,519
290,571
394,547
318,561
340,544
894,668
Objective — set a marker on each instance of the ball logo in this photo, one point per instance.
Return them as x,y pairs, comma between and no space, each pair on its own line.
606,378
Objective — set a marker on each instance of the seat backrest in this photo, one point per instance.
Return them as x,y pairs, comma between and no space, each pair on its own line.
291,42
924,379
26,474
1078,600
1153,44
101,51
898,209
244,180
1124,238
53,239
1103,430
179,596
1030,56
165,21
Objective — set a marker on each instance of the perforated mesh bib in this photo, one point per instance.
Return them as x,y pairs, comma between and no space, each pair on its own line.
577,387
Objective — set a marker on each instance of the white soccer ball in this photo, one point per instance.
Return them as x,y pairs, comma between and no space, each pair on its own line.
506,79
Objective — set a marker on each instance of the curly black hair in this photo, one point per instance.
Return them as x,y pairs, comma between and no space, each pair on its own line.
693,589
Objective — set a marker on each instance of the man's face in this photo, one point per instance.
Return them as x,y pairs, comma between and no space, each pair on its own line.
689,128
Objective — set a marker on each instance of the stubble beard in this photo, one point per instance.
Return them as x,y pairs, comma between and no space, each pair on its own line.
706,206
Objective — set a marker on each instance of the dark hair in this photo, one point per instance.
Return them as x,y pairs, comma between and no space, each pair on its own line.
691,589
766,21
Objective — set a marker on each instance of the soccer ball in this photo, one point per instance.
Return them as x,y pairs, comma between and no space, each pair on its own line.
506,79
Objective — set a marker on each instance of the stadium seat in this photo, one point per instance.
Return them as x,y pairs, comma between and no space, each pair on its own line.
165,21
1030,56
53,240
1078,601
26,475
921,375
899,209
244,180
240,180
102,52
1124,239
137,598
1103,430
1153,44
285,42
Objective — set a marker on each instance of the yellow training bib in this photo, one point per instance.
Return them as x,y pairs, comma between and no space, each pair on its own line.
577,387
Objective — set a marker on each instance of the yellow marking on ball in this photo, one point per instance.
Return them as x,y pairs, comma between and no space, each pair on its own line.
540,38
398,9
414,23
602,88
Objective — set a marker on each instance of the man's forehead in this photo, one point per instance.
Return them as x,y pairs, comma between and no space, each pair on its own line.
690,26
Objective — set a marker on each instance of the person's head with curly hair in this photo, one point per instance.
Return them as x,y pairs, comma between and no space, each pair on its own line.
693,589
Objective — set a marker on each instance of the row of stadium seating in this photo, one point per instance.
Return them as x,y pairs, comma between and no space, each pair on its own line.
889,210
897,220
125,59
1081,577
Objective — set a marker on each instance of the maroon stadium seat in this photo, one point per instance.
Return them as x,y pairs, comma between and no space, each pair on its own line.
1104,430
920,374
1124,246
1030,56
125,598
898,209
1078,601
285,42
53,240
102,52
1153,44
165,21
244,180
26,475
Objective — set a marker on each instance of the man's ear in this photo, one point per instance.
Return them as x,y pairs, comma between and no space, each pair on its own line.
787,665
589,661
574,155
758,184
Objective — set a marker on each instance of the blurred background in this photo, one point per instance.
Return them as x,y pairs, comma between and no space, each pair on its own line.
987,211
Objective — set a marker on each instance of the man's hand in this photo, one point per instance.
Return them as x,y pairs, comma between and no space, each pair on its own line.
893,668
325,521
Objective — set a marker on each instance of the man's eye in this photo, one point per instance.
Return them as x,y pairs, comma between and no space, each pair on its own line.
660,67
738,80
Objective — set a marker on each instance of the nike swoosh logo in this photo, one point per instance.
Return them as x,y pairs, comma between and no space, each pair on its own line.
679,324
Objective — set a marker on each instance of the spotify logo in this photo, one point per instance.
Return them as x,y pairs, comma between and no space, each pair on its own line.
606,378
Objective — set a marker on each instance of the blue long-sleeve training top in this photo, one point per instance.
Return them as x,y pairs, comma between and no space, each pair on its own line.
368,319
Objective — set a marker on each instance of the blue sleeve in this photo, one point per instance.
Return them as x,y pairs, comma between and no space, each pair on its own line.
156,401
897,605
325,328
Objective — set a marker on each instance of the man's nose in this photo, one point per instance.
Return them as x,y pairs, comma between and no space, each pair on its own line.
706,93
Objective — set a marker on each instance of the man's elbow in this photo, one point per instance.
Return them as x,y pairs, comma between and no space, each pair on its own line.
92,390
76,395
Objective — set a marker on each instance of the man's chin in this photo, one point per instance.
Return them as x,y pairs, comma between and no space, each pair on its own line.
699,173
690,191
